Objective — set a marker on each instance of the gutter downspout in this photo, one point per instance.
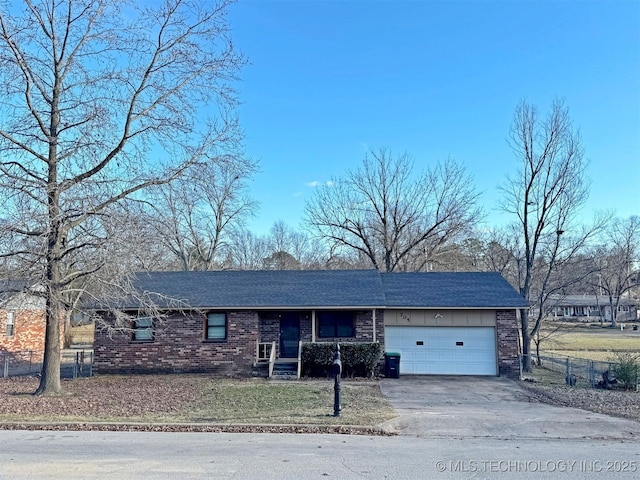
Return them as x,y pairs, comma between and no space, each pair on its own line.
374,326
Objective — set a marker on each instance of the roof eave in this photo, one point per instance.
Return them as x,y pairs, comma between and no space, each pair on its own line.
449,307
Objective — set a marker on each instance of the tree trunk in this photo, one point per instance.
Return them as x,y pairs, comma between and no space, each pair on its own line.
50,374
526,340
614,312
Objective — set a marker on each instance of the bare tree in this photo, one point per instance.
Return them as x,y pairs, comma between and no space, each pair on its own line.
194,215
284,248
246,251
545,196
292,249
102,100
617,262
501,253
385,213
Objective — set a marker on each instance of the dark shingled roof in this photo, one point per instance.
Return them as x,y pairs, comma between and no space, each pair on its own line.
450,290
326,288
264,288
9,288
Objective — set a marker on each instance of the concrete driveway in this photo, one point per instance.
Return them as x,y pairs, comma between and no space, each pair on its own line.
490,407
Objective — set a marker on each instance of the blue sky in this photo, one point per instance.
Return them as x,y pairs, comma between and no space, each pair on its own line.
330,80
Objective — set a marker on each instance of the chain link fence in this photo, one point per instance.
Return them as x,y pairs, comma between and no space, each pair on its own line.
579,371
73,363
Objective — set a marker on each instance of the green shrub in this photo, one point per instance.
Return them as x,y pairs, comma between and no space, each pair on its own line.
358,359
625,366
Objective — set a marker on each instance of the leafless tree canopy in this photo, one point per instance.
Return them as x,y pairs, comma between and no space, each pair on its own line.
391,216
101,100
545,196
616,262
283,248
192,218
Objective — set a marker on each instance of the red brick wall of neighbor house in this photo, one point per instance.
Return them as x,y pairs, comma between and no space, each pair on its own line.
179,346
29,330
507,331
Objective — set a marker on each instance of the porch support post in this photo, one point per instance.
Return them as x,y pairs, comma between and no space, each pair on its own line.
373,315
313,326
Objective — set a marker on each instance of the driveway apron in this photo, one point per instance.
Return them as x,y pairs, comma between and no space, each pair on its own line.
490,407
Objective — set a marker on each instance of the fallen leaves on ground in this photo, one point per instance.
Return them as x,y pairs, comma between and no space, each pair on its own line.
610,402
100,397
191,403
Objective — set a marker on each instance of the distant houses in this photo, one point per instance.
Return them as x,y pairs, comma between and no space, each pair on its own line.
590,308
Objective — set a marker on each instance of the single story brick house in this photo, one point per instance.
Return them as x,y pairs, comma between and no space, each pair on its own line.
591,308
229,321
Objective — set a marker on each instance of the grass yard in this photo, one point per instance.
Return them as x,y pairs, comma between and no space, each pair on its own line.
585,341
291,402
194,398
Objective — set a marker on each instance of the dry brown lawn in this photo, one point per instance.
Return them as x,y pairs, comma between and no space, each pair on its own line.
193,398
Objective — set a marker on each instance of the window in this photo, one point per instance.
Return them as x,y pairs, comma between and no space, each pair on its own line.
335,324
143,329
11,325
216,326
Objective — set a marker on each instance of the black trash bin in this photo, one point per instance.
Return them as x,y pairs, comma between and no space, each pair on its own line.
392,365
635,327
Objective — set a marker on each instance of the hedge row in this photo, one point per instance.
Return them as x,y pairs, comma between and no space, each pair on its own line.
358,359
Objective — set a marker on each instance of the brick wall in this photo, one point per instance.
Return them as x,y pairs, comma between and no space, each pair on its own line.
507,331
306,328
380,328
269,328
179,346
29,330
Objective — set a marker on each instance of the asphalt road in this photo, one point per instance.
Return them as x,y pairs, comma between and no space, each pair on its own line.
122,455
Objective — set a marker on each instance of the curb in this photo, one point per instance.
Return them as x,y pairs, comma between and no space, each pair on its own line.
195,427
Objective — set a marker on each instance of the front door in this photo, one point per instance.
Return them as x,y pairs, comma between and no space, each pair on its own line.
289,335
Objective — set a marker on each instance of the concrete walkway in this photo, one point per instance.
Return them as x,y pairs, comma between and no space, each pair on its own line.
491,407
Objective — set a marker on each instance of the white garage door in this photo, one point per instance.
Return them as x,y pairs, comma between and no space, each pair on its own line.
443,350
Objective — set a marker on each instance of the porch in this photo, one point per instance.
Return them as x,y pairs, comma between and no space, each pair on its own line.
281,334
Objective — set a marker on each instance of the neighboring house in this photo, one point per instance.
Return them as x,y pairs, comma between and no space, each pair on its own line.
225,322
22,319
590,308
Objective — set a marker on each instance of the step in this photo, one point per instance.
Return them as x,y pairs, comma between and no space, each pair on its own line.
284,376
285,370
